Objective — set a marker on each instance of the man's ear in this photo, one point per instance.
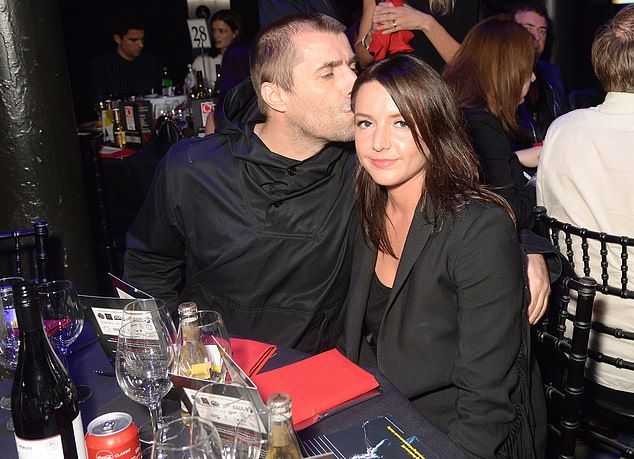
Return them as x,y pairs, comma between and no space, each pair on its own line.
116,38
273,96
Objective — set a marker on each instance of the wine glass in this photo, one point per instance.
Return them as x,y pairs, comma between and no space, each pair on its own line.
147,312
235,416
63,319
9,335
212,333
144,358
190,437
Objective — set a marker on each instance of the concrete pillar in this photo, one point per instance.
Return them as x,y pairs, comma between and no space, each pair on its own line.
40,170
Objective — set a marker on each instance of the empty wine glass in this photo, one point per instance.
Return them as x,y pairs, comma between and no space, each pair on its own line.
144,357
9,335
211,332
147,312
63,319
190,437
235,416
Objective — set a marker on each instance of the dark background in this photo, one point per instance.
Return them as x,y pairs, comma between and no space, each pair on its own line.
87,33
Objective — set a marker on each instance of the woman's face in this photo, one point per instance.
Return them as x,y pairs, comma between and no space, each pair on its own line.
384,142
526,87
222,34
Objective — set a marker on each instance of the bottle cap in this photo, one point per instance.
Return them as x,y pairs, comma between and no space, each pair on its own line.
279,403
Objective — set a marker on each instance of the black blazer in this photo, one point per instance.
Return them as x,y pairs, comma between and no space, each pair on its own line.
454,332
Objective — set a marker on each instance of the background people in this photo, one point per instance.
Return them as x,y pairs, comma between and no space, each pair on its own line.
253,221
438,26
127,70
436,298
546,98
585,178
226,29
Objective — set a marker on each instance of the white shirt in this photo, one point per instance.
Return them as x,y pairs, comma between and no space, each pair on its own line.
586,178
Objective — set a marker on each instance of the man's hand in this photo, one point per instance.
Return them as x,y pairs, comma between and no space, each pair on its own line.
538,285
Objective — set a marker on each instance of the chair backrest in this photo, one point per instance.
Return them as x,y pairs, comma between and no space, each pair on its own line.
592,254
563,361
16,244
568,240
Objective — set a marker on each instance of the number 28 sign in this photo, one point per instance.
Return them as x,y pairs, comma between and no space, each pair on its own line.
199,33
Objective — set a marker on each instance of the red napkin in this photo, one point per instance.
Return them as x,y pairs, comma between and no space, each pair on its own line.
316,385
393,43
251,355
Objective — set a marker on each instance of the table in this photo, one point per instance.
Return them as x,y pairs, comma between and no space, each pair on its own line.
107,397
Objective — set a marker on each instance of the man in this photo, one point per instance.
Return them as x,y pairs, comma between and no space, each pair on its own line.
126,71
546,98
252,221
585,178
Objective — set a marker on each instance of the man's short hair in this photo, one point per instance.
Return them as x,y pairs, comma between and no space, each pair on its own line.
122,24
274,54
613,52
535,7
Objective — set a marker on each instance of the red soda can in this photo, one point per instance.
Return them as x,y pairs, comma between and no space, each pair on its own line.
113,436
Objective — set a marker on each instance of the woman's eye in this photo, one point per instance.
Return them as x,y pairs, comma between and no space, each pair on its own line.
401,123
363,123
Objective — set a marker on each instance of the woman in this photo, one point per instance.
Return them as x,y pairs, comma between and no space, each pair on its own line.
489,76
226,28
437,290
438,27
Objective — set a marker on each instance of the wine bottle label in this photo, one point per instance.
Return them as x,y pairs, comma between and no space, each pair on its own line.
51,447
80,442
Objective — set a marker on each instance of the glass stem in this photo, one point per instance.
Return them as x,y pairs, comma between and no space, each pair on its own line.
62,353
156,416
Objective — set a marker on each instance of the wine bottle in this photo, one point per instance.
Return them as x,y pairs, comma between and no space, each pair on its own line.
117,129
166,83
190,80
200,92
283,443
44,404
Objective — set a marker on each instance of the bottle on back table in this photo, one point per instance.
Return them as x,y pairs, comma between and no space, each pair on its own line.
282,443
44,404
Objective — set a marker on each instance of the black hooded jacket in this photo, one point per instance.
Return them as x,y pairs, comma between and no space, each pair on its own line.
254,235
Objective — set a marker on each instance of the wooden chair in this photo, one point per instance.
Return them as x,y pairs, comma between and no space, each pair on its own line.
15,244
562,360
575,244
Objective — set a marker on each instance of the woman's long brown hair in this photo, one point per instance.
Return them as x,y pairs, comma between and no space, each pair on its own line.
451,170
491,66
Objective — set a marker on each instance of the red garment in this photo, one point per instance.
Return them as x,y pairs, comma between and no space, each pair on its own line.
393,43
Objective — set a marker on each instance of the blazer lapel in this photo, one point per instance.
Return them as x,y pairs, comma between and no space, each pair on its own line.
417,237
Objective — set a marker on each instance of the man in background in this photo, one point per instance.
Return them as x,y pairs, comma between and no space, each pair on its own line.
585,178
546,98
127,70
253,221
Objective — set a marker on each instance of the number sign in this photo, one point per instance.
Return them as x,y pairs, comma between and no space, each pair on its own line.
199,33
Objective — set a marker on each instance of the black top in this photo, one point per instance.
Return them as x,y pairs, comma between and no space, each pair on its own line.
377,301
499,164
464,16
114,76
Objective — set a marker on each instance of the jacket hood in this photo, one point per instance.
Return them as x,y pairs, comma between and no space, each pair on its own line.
240,108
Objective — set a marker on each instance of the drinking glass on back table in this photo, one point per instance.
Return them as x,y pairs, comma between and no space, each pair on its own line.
63,319
9,335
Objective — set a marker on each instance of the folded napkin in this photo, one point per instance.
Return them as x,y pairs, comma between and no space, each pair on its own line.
251,355
396,42
316,385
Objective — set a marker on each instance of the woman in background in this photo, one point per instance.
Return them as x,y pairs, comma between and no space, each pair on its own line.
438,27
436,300
226,29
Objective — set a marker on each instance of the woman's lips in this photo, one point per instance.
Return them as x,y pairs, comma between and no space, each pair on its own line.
383,163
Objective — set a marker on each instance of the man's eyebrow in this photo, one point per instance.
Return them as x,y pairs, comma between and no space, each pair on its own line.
329,65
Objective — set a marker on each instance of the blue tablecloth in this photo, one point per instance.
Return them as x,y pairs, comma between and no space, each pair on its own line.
107,397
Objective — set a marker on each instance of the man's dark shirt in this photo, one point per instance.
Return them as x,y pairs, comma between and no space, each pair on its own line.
114,76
